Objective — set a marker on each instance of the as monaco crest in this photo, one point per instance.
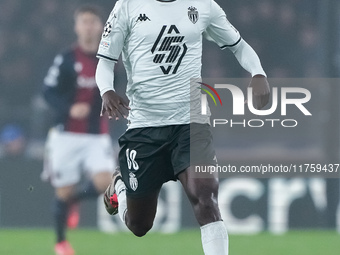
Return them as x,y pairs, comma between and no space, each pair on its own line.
193,14
133,182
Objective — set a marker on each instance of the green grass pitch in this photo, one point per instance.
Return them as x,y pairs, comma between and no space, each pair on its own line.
89,242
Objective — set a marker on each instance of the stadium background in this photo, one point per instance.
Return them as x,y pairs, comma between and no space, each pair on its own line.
294,39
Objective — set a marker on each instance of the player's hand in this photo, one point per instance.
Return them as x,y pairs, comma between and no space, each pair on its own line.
80,111
114,105
261,91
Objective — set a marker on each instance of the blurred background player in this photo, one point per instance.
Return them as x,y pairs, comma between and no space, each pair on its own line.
79,140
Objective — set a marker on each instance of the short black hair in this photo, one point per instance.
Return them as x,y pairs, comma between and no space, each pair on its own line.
89,8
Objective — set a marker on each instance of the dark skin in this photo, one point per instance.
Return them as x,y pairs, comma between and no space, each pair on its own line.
202,192
114,105
261,91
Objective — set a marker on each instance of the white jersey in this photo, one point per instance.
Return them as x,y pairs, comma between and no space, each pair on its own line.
161,45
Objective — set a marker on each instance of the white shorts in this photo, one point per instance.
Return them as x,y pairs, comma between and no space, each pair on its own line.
68,155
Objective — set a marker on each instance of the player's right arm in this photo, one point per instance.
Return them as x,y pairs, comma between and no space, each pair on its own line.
115,32
113,104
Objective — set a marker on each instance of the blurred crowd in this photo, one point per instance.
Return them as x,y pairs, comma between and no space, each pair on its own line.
283,32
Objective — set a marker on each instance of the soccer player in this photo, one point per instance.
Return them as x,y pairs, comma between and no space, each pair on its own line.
161,45
79,141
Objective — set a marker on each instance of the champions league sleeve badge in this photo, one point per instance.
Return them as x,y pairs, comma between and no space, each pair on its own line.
107,29
193,14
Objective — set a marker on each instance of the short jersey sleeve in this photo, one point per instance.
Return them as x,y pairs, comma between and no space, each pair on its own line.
219,29
115,31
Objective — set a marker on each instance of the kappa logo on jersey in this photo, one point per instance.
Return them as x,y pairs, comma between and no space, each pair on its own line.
171,50
142,17
193,14
133,181
107,29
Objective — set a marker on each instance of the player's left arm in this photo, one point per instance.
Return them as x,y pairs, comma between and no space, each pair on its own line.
223,33
250,61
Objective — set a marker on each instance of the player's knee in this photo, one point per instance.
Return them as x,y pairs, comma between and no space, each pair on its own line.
65,193
139,228
101,181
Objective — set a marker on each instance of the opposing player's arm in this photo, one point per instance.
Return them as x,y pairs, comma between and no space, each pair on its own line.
56,89
115,32
222,32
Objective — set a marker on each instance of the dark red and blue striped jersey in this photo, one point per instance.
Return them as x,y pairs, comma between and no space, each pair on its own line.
71,79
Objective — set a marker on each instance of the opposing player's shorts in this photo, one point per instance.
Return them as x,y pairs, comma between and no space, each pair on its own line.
151,156
69,154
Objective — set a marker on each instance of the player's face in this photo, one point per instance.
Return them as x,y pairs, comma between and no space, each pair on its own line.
88,26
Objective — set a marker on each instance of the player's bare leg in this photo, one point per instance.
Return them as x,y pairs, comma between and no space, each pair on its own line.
138,214
65,193
203,194
65,209
101,180
90,189
141,213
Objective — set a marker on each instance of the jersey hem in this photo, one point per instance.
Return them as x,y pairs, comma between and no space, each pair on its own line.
133,126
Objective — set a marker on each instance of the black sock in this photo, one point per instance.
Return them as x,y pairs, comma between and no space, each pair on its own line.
60,210
85,191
